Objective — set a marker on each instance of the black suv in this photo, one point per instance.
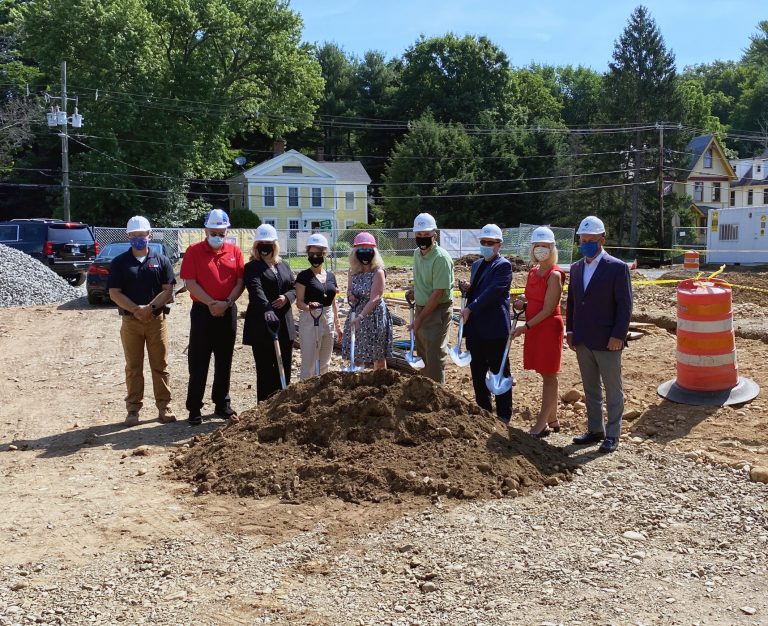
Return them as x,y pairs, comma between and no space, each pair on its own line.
68,248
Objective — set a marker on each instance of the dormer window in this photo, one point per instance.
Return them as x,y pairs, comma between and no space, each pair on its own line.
758,168
292,169
708,158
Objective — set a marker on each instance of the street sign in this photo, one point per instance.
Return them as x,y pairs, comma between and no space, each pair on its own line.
326,225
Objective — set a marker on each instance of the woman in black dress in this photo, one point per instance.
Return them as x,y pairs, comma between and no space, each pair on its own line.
271,293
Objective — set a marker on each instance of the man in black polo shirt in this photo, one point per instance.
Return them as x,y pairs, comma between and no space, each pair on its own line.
141,285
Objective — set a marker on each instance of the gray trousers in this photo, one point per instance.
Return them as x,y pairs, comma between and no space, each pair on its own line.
596,366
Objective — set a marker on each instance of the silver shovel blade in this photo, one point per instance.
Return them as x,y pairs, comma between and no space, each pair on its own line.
416,362
461,359
498,384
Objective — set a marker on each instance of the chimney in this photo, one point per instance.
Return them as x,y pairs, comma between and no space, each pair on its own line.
278,146
320,154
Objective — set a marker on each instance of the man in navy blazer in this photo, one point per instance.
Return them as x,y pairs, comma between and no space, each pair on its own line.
597,319
486,318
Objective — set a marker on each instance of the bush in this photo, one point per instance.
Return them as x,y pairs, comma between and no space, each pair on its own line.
243,218
341,246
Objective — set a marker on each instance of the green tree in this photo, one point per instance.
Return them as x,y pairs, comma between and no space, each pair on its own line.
640,88
177,80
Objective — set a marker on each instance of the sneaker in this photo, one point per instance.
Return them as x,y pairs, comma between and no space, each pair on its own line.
224,411
132,419
195,418
166,416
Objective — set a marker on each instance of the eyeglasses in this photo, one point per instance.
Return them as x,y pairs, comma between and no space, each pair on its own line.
488,242
222,233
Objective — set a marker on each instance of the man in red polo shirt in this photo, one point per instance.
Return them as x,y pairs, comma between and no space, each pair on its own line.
212,270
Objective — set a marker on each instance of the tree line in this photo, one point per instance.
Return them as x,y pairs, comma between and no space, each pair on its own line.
173,91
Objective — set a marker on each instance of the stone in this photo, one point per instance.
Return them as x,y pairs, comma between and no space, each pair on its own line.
632,415
18,586
428,587
141,451
633,535
579,406
141,471
748,610
13,448
484,467
571,396
759,474
444,432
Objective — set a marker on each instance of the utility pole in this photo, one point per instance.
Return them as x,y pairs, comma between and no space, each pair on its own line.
63,123
661,189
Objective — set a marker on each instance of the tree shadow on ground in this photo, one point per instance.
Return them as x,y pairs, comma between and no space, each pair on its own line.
117,436
667,421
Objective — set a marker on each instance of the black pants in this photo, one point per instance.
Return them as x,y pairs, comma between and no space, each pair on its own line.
209,335
267,373
486,356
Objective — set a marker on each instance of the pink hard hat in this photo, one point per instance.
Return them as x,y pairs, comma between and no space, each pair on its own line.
364,239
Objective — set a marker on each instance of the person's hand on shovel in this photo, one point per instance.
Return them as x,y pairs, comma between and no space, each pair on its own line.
270,317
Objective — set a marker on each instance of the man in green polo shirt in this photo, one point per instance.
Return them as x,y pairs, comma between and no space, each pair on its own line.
432,285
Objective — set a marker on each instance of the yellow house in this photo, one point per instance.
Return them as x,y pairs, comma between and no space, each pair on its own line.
293,192
707,179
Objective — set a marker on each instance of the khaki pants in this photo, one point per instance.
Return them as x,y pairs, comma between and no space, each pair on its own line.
432,341
308,343
134,335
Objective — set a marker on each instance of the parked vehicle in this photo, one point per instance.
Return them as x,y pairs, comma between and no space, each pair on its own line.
68,248
98,271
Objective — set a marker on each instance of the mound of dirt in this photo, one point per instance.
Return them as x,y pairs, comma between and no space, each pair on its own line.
373,436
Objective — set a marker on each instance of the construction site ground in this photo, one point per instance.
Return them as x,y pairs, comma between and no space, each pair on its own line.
95,527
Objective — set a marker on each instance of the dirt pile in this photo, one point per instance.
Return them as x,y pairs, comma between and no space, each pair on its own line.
373,436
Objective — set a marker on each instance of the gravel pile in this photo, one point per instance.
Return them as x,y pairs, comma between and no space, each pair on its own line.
24,281
638,538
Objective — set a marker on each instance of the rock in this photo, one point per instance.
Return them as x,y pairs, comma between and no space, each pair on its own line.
551,481
406,547
633,535
141,451
176,595
12,447
748,610
632,415
759,474
571,396
428,587
141,471
484,467
579,406
18,586
444,432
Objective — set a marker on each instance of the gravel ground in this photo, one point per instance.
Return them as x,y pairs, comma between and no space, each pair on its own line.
24,281
638,538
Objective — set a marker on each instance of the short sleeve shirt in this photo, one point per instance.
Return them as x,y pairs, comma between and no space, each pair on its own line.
216,271
431,271
140,281
316,291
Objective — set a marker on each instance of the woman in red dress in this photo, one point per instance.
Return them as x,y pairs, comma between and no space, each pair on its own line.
543,347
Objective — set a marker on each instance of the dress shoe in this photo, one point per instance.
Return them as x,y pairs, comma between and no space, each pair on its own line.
224,411
195,419
610,444
587,438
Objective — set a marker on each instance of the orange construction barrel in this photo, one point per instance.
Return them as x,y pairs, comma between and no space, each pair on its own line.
707,371
691,260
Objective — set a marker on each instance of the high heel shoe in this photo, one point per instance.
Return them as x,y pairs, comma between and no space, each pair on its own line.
554,426
544,432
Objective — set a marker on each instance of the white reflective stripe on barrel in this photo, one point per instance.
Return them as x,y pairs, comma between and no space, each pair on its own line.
717,326
707,360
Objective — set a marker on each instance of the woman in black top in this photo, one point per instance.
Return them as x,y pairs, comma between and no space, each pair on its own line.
271,293
316,290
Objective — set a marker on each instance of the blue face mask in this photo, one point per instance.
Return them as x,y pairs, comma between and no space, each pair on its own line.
138,243
487,252
589,249
215,241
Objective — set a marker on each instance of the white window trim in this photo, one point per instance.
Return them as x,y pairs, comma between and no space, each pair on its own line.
298,197
698,186
348,224
292,220
312,204
264,196
346,204
269,220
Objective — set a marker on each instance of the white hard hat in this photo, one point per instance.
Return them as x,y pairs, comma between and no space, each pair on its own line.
217,219
137,223
591,225
491,231
266,232
316,239
542,234
424,221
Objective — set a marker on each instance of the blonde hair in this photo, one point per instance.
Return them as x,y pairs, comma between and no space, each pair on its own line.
275,251
552,256
355,267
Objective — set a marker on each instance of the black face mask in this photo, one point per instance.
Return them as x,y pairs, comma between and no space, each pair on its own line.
266,249
365,255
315,261
424,242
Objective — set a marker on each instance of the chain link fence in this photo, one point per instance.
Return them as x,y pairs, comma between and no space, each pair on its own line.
396,245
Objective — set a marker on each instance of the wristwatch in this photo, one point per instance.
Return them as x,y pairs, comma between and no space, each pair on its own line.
152,306
229,302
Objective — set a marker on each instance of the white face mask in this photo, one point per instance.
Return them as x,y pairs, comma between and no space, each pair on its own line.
215,241
541,254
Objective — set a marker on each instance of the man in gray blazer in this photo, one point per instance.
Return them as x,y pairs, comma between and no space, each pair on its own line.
598,313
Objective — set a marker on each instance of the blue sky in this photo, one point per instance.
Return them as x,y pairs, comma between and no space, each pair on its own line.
556,32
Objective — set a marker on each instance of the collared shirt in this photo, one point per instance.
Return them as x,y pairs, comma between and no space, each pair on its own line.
140,280
589,268
431,271
215,270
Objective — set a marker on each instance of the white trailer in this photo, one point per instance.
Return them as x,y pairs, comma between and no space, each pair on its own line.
738,236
